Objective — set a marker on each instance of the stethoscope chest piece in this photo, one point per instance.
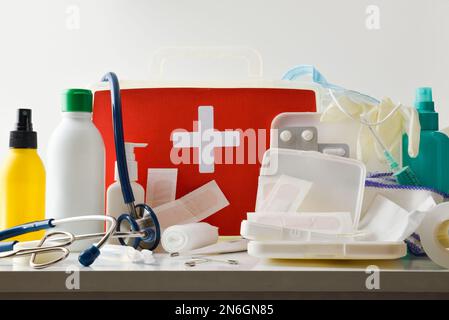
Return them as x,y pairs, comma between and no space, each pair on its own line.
145,222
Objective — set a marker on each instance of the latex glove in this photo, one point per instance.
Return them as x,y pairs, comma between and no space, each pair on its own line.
365,140
333,113
390,132
412,128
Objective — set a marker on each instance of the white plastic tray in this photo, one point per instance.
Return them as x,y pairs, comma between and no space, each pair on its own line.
327,251
256,231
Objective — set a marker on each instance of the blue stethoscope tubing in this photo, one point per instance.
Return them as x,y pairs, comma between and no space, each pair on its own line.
153,234
140,218
119,139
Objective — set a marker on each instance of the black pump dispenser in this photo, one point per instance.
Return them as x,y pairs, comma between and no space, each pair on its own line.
23,137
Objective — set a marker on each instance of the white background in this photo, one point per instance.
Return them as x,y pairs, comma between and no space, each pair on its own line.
41,54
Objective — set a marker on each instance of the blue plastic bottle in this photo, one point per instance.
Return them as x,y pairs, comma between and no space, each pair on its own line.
431,166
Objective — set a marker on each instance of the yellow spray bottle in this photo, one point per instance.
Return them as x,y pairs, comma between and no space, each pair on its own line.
22,179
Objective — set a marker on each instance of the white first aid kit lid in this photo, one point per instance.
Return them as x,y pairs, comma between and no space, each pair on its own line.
337,183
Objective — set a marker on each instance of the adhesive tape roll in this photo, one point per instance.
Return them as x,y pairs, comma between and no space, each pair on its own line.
434,233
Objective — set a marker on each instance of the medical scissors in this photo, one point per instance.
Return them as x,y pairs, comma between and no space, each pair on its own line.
58,242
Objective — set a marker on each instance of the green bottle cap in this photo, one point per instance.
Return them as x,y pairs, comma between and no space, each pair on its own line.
424,100
77,100
428,118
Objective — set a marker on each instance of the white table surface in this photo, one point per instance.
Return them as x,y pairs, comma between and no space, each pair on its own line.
170,277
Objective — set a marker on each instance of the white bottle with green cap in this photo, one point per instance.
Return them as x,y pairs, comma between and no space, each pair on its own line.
76,166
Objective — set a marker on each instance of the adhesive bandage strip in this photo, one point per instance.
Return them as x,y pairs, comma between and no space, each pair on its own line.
264,188
161,186
287,195
193,207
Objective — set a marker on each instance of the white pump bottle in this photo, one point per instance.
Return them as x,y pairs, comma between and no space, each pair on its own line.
115,205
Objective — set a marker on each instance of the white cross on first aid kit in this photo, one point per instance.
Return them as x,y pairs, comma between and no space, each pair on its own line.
206,139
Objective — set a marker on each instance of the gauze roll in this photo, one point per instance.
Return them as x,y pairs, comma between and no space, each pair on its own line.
186,237
434,235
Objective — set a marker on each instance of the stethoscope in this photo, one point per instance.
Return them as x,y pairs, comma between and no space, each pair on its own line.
142,226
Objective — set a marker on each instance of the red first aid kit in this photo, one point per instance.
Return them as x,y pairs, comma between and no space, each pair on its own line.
177,123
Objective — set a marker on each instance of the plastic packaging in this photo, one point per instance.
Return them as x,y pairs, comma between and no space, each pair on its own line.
187,237
116,206
286,195
76,159
22,179
337,182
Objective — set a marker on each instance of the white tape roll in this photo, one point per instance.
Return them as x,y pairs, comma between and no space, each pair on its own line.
434,233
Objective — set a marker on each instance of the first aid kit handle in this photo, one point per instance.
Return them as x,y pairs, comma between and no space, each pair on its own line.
251,56
26,228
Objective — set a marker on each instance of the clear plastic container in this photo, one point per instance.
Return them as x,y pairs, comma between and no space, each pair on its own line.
337,182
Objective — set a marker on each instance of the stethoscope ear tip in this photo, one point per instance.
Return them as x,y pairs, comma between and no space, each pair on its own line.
88,256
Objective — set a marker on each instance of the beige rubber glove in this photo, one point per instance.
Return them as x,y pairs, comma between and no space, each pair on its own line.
405,120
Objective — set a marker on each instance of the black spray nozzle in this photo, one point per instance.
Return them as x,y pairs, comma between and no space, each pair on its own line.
24,120
23,137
